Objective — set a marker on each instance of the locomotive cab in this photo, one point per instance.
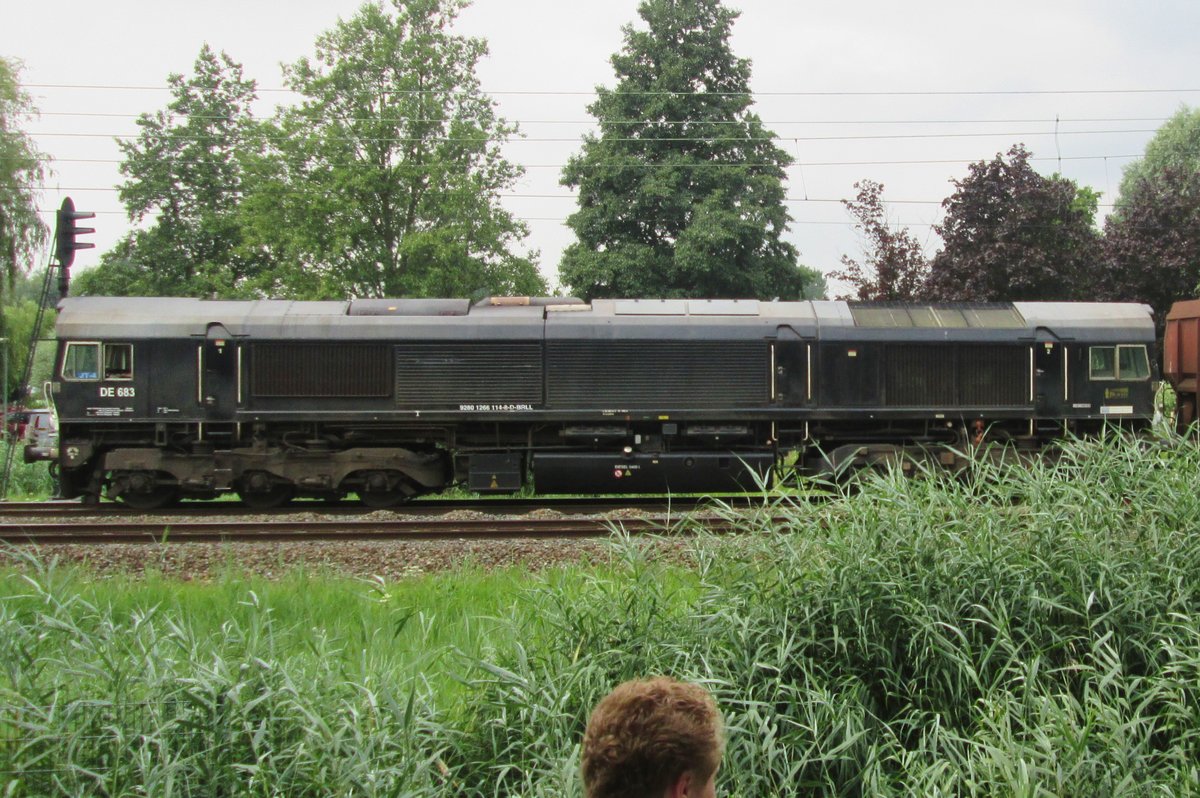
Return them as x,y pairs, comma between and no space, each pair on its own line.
1092,365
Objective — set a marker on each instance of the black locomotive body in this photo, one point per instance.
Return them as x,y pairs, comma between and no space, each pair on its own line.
159,398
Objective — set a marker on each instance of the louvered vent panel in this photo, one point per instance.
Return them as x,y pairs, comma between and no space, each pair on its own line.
920,375
676,375
994,375
957,376
320,370
453,374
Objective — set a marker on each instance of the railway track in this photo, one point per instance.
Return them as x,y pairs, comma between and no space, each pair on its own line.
343,529
575,505
63,522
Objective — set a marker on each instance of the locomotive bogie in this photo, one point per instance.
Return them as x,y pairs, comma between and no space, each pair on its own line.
161,399
378,475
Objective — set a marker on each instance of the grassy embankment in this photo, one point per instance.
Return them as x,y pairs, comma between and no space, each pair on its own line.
1026,632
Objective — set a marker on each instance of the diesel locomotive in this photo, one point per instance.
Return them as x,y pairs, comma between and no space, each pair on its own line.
167,398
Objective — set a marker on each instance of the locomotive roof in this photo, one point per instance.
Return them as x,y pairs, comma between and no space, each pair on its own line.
82,318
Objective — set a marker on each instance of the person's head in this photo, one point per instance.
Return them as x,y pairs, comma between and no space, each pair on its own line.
652,738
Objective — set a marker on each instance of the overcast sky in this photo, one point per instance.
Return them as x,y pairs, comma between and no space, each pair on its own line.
906,94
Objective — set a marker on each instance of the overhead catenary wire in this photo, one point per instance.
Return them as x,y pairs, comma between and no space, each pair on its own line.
657,139
550,219
666,93
707,165
849,224
176,130
562,220
845,223
602,121
573,197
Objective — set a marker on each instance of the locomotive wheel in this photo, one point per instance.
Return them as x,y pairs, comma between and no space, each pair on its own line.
269,499
383,489
259,490
154,499
142,490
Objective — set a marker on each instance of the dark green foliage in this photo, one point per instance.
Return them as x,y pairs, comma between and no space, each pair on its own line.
681,193
1152,239
21,171
1011,234
186,171
1152,246
384,180
1174,148
18,312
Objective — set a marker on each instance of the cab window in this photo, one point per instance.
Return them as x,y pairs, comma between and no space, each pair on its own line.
81,362
1132,363
1124,363
118,361
1104,366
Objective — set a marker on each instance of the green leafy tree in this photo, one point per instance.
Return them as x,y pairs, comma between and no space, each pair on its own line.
386,176
21,172
186,175
120,273
1175,148
813,284
895,266
16,327
1152,238
21,229
17,317
681,192
1013,234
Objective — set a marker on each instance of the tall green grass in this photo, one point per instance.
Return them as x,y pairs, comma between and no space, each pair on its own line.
307,686
1018,631
26,480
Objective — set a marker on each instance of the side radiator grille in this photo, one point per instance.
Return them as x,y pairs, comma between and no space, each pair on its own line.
321,370
994,375
920,375
664,375
432,375
957,376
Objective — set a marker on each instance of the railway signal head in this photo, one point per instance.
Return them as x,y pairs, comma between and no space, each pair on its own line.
66,230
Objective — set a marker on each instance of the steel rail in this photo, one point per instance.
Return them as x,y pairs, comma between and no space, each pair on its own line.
167,532
581,505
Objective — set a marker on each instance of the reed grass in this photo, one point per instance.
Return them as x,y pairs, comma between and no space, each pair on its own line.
1028,631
